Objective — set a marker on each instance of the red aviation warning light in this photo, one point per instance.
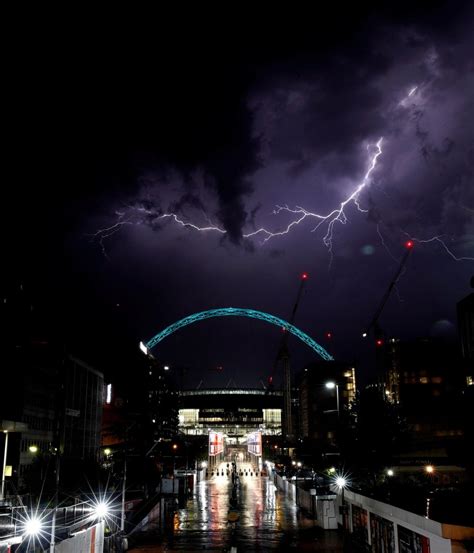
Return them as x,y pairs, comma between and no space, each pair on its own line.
328,335
304,276
409,244
379,342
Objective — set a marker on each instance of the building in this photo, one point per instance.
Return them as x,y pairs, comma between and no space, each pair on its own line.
465,309
325,388
235,413
82,410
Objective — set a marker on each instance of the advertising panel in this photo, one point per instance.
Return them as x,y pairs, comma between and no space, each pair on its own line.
216,443
254,443
411,542
360,531
382,534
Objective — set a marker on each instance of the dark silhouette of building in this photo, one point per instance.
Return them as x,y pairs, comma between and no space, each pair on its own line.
465,309
320,405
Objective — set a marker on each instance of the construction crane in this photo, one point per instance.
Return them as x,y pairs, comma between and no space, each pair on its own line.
284,357
374,323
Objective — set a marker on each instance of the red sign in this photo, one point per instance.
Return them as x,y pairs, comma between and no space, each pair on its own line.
216,443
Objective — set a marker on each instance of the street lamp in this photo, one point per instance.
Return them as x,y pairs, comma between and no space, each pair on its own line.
330,386
341,484
32,526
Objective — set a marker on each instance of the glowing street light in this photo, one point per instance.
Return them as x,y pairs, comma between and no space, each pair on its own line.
340,482
32,526
332,470
429,469
298,464
203,464
390,472
107,451
101,510
33,449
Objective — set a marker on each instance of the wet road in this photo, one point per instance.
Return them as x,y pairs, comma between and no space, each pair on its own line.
268,521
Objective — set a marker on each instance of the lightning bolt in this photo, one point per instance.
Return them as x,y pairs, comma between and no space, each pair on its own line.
337,215
443,243
147,215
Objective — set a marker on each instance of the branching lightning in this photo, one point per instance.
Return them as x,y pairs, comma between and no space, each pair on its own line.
138,215
337,215
443,243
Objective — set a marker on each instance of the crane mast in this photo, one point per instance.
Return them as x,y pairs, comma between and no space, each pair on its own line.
374,322
392,378
284,357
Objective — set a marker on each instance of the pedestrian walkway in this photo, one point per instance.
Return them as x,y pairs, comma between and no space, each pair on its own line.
268,521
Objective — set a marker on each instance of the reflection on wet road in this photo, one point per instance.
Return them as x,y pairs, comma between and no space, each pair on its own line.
268,521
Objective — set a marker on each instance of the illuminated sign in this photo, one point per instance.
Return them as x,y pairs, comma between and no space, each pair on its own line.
216,443
108,398
254,443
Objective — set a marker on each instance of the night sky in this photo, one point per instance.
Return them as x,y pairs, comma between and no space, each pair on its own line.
112,125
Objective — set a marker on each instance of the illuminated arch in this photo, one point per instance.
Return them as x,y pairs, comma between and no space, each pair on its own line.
239,312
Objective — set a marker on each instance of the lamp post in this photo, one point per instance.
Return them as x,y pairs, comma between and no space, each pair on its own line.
341,484
330,386
5,451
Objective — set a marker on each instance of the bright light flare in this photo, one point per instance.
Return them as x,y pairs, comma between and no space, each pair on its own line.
101,510
32,526
330,385
340,482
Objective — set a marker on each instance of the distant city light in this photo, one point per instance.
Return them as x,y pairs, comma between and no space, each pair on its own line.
143,348
332,470
166,368
107,451
175,446
364,335
204,464
33,449
429,469
298,464
390,472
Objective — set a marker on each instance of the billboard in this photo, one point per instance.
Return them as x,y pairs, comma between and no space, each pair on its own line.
216,443
254,443
382,533
412,542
